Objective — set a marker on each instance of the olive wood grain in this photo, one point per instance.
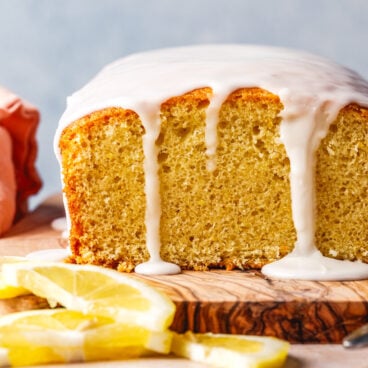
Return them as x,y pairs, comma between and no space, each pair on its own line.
248,303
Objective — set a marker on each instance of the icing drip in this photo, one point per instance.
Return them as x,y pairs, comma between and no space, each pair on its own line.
311,89
59,224
49,255
212,115
316,267
301,135
153,201
56,254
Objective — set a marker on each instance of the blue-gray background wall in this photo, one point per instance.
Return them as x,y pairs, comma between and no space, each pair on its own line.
50,48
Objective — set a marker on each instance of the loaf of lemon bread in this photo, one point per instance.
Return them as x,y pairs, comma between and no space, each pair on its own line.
216,157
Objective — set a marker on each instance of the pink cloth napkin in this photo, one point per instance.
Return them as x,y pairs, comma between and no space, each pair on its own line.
18,150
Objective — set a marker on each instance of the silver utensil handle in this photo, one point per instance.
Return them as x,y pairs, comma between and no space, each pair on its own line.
357,338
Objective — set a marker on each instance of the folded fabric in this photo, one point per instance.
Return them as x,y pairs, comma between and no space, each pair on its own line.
18,151
8,188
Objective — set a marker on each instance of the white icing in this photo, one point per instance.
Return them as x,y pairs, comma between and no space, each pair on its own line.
315,267
212,114
49,255
312,91
59,224
157,267
152,186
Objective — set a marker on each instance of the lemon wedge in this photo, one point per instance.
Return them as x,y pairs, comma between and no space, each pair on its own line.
231,351
7,291
64,336
94,290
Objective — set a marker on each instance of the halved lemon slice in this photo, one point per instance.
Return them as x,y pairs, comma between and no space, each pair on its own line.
94,290
7,291
63,336
231,351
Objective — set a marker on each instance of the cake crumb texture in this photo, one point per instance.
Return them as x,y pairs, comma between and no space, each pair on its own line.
102,157
342,187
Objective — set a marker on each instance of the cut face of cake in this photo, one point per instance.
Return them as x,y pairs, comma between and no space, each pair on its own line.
221,156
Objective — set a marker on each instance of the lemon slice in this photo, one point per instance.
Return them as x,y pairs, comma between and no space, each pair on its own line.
231,351
64,336
7,291
94,290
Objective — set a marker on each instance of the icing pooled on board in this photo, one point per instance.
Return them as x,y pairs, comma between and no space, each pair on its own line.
312,90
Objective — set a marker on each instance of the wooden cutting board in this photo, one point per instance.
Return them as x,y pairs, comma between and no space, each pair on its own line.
225,301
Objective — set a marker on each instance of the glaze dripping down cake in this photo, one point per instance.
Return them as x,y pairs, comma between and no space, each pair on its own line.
218,156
